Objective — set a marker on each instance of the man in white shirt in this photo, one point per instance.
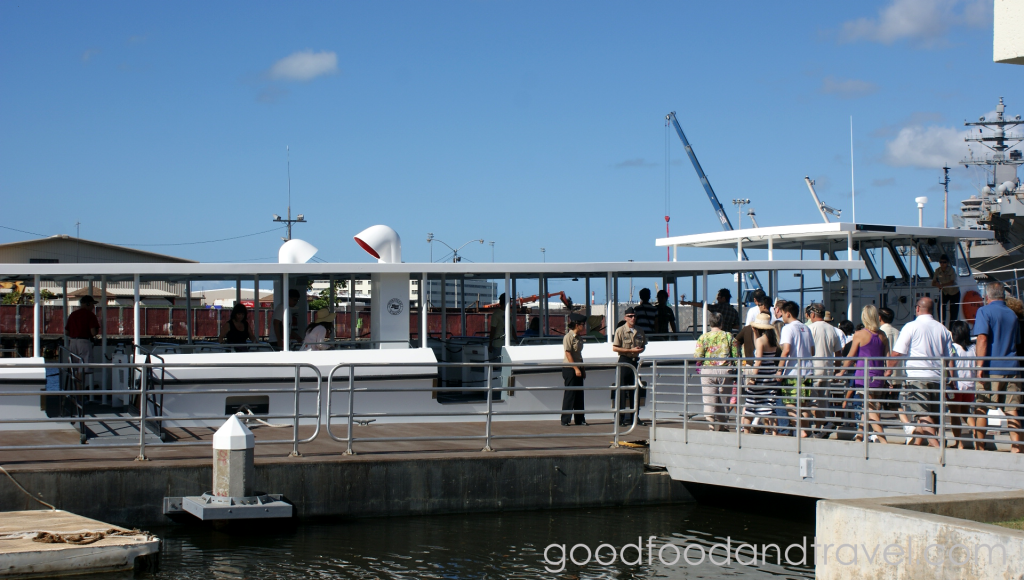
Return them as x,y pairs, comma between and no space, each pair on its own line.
826,350
764,304
796,343
926,338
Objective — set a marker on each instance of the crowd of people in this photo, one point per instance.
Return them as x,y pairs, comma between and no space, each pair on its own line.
789,371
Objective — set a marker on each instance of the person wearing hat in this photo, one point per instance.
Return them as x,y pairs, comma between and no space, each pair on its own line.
629,341
319,331
82,326
572,376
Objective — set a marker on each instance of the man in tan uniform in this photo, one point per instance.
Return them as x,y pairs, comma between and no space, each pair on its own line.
949,293
629,341
573,376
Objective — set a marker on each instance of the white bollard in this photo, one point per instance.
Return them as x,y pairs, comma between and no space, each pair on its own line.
233,451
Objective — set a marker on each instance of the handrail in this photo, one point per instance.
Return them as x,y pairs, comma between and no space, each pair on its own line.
489,413
933,411
145,370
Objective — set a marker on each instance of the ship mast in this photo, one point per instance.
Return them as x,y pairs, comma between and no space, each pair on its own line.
1001,166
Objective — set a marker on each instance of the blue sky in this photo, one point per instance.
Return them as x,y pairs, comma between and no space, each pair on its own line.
532,124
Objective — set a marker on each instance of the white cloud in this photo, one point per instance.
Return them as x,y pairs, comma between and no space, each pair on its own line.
924,21
847,88
304,65
927,147
89,53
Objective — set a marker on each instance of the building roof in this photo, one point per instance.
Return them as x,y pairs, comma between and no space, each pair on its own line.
69,249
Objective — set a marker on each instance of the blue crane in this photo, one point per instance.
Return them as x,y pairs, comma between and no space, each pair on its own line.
751,278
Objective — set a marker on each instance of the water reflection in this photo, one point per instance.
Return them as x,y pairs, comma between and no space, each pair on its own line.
498,546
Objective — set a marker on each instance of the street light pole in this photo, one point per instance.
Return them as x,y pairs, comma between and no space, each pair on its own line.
492,251
739,203
543,255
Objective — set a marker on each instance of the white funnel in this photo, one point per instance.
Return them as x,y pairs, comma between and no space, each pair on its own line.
295,251
382,243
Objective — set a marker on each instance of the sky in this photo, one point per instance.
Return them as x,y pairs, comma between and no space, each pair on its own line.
529,124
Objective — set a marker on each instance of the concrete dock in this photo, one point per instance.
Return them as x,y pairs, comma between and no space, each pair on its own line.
386,478
109,549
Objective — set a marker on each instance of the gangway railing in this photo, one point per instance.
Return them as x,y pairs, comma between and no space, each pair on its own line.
351,416
145,373
938,412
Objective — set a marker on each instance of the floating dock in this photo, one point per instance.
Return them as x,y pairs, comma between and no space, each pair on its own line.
42,543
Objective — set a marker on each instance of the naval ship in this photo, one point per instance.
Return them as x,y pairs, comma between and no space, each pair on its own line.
999,204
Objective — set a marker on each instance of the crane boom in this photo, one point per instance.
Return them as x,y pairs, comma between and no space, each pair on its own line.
751,277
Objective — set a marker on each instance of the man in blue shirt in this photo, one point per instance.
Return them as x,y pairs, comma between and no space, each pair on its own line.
998,333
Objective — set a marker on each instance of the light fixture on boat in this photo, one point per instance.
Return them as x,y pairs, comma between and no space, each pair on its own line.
382,243
295,251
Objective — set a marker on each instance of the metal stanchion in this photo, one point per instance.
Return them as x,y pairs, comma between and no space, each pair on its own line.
351,406
490,409
295,430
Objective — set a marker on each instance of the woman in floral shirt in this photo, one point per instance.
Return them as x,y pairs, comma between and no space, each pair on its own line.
714,351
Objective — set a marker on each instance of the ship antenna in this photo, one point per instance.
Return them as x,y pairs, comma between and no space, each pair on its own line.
853,190
945,195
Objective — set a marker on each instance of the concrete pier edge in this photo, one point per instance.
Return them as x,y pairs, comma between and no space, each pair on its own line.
133,495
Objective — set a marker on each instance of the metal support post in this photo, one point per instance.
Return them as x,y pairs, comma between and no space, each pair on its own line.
798,423
739,404
462,306
424,313
509,321
609,320
849,277
616,403
943,410
37,314
143,403
586,292
238,290
686,401
490,408
295,429
103,328
704,314
286,317
351,407
188,311
256,306
137,320
444,314
64,306
352,307
867,393
654,400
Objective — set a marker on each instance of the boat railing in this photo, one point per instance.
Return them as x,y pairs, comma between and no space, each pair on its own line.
145,401
962,406
486,410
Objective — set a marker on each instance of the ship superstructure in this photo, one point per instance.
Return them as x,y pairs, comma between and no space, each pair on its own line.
999,205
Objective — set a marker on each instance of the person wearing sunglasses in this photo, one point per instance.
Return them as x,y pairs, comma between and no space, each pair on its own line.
629,341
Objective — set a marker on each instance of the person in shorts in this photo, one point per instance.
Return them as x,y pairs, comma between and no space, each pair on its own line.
998,333
926,341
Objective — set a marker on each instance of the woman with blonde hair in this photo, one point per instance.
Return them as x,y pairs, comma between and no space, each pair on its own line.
871,343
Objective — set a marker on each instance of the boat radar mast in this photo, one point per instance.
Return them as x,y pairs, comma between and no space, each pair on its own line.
1000,167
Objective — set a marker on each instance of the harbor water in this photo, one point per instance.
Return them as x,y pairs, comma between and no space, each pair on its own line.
498,545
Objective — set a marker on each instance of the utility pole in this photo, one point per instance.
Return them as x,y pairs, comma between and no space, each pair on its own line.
299,219
945,195
78,242
739,203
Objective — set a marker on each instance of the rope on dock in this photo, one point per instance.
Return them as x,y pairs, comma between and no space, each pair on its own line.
250,415
25,491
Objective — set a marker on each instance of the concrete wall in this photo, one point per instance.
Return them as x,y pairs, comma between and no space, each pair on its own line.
838,469
1008,32
903,534
365,487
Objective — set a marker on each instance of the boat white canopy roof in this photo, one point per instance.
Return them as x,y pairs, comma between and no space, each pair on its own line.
224,271
811,235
